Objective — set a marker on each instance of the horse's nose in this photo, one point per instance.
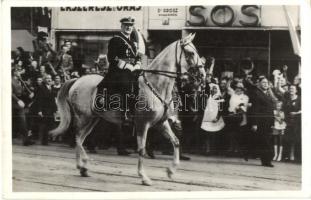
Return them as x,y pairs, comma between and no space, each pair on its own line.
202,72
201,62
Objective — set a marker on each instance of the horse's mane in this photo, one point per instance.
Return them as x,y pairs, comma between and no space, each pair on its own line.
159,57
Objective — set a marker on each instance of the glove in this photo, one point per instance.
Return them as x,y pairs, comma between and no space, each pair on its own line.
137,66
129,67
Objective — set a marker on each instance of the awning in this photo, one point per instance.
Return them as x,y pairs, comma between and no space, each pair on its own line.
22,38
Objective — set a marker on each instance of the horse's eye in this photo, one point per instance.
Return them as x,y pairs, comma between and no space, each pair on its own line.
191,54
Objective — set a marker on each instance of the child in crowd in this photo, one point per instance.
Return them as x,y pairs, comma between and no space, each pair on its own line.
278,131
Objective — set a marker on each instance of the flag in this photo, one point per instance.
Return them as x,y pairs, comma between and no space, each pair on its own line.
292,32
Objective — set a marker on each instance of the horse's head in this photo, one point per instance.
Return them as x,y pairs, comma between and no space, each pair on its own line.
189,57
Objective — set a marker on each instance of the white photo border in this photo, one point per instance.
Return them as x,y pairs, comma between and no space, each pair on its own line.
6,139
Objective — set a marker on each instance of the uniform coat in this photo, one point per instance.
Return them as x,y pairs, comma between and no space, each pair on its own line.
121,81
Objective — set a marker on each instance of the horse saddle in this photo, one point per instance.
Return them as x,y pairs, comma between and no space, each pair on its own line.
116,93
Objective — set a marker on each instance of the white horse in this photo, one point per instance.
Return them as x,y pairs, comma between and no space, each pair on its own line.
76,97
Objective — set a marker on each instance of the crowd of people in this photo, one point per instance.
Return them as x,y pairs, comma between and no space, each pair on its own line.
247,115
36,79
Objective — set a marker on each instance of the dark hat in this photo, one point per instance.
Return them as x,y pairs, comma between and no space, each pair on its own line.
42,34
128,20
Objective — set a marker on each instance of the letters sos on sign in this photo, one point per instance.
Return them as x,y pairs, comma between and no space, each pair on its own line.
225,16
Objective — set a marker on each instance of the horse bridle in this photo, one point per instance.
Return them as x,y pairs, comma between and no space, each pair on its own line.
171,74
176,75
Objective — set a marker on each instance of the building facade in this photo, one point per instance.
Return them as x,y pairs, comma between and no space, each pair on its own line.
231,34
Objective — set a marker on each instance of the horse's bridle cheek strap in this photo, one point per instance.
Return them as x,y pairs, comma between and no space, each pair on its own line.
187,57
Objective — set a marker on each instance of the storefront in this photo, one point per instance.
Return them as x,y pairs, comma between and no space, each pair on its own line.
164,26
91,27
231,34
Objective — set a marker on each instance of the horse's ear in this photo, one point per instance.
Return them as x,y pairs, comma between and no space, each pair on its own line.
192,36
187,39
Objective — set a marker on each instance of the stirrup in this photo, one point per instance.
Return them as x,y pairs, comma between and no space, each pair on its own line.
127,120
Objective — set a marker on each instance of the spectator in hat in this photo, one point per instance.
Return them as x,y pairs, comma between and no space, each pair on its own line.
43,51
261,120
21,57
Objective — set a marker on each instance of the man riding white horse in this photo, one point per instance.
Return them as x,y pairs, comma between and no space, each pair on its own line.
124,59
155,85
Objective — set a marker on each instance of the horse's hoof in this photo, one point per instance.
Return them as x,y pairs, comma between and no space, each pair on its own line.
170,173
147,182
83,172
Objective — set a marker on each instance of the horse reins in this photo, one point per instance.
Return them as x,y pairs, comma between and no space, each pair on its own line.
169,74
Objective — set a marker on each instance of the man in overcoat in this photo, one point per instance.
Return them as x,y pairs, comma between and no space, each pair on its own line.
261,120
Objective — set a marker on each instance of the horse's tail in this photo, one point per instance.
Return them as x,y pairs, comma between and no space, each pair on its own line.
64,109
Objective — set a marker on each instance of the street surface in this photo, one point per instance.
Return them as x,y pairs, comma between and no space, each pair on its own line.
53,169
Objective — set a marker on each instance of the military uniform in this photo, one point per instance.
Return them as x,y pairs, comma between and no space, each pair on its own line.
122,51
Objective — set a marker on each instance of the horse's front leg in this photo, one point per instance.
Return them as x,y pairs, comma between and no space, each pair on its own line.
167,131
141,145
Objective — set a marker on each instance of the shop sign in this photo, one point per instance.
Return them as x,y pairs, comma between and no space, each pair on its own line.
104,8
167,17
224,15
95,18
245,16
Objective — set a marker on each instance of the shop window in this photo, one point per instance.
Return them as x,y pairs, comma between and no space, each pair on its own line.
230,48
90,44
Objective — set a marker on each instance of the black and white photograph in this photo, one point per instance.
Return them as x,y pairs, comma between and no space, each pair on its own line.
162,98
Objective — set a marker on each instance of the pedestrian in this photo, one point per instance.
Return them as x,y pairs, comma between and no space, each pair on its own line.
278,131
225,133
56,85
43,52
261,119
293,119
237,119
21,55
212,122
42,71
18,109
64,65
46,107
